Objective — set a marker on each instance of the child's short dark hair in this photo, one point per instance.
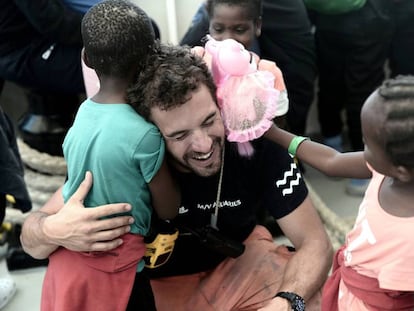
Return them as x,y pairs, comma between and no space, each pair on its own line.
398,129
117,37
171,75
253,7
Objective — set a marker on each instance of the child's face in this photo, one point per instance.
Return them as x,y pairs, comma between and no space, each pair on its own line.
232,22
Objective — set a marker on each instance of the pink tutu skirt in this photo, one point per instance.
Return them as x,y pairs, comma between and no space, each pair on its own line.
250,96
248,105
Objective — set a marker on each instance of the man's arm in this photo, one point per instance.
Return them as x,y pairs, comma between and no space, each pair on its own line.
308,269
73,226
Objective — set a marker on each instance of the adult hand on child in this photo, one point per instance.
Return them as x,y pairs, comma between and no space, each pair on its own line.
82,229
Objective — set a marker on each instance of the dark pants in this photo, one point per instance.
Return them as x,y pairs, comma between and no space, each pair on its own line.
141,297
351,52
52,76
401,55
31,67
287,39
11,169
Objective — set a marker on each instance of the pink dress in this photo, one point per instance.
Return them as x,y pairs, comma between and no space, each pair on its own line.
246,96
380,246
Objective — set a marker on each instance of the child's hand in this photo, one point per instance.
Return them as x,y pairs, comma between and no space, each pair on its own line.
267,65
200,51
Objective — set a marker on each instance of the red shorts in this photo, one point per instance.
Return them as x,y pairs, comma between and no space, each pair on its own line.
97,281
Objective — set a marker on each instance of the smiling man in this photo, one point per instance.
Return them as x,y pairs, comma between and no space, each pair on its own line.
241,268
195,141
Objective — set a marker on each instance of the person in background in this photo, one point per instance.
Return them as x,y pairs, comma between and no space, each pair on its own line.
40,45
13,193
81,5
373,269
353,41
125,154
242,21
40,48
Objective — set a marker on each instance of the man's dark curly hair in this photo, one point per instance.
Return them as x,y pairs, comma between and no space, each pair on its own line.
170,77
117,37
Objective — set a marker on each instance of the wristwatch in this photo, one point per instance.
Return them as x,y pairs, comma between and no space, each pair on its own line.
297,302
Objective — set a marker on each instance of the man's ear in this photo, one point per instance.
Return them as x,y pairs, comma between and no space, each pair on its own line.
404,174
258,27
85,58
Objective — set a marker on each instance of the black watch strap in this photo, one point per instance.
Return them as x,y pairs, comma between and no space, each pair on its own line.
297,302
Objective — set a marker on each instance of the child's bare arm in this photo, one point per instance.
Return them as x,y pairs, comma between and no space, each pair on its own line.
323,158
165,193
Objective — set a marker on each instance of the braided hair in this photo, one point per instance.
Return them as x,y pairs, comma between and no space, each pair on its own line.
117,37
398,129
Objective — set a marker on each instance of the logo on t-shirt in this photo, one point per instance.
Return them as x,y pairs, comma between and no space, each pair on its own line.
222,204
211,206
183,210
290,179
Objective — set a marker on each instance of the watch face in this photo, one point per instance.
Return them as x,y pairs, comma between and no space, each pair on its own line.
298,304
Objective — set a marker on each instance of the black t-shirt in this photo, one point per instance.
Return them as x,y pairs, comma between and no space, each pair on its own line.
269,179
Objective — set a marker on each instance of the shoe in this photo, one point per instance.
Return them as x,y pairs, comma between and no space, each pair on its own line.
7,291
45,124
43,133
357,187
334,142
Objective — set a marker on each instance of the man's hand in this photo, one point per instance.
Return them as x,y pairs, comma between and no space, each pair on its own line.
73,226
82,229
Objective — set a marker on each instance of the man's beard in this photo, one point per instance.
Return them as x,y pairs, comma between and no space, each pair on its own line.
184,164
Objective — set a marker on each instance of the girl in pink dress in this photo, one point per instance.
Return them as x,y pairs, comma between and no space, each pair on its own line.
374,269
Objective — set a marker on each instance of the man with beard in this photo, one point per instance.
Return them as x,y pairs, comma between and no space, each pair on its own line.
241,268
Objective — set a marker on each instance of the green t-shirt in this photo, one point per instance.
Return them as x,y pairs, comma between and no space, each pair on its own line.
123,152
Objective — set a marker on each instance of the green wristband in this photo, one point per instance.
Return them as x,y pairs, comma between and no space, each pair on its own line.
294,144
